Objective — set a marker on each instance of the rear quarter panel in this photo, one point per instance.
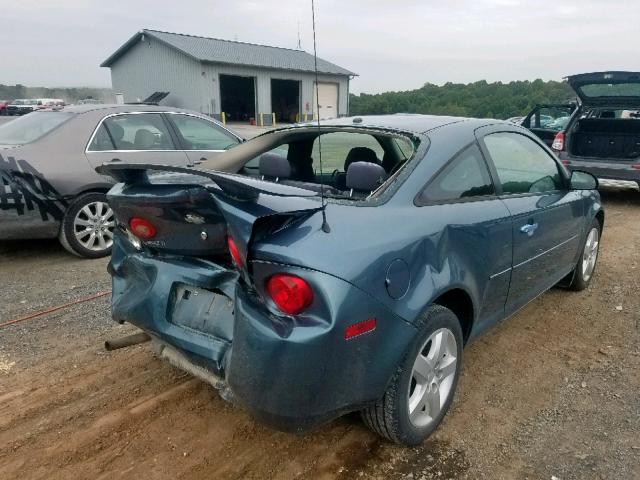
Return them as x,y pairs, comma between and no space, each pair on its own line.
464,245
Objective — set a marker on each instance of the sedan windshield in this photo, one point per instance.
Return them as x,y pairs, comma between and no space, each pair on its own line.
31,127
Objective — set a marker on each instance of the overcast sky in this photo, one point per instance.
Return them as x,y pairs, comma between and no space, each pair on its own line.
392,45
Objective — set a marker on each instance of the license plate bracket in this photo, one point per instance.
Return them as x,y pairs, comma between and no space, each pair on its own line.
202,310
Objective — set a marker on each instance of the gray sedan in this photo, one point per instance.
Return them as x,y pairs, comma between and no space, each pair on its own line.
48,184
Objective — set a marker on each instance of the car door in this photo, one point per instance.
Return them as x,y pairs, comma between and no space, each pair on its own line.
461,202
143,137
546,215
545,121
200,138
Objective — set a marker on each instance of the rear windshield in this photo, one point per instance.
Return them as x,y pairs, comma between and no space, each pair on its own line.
595,90
31,127
295,158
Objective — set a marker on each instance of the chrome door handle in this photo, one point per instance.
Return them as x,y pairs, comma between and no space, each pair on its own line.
529,229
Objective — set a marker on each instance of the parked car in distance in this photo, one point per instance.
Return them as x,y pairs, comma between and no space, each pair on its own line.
547,120
316,279
3,107
21,106
43,103
89,101
48,183
601,135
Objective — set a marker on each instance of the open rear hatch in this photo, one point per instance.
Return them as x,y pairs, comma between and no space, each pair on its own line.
607,89
611,128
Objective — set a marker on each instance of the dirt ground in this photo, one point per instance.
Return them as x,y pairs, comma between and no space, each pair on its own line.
550,393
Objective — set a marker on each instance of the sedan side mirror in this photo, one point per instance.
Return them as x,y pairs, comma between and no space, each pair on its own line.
583,181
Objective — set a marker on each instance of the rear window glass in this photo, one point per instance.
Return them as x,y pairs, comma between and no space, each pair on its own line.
31,127
611,90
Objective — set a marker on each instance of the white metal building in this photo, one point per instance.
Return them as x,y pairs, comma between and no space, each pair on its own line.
245,81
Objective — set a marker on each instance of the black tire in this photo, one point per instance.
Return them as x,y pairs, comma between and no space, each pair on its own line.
580,280
389,416
67,235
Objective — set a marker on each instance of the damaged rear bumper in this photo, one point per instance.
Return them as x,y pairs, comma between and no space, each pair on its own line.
290,372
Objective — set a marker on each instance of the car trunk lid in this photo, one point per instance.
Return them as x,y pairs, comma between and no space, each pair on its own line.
193,212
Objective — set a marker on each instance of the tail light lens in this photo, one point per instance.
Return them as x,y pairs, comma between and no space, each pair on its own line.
234,252
142,228
558,142
290,293
636,167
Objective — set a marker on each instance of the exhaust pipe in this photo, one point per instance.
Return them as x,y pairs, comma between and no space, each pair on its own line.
127,341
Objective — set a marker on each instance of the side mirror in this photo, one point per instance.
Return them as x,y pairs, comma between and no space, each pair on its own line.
583,181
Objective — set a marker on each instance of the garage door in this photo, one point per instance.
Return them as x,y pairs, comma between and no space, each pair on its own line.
328,99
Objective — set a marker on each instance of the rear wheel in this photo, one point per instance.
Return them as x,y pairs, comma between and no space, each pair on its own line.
421,391
87,227
588,258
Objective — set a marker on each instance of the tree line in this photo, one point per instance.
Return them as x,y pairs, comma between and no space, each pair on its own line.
479,99
69,95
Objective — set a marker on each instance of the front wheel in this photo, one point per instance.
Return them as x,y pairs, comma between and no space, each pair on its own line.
583,272
421,391
88,225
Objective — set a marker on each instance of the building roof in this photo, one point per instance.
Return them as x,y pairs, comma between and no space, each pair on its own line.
214,50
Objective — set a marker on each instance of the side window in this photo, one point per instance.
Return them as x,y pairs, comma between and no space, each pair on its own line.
140,131
523,166
101,140
200,134
338,146
465,176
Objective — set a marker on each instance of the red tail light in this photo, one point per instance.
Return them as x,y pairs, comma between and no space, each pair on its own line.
142,228
234,252
290,293
558,142
636,167
566,162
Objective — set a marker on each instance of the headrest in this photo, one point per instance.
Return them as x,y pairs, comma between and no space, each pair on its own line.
360,154
144,139
365,176
273,165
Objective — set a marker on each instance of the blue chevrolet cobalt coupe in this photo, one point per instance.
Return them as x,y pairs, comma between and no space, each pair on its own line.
323,269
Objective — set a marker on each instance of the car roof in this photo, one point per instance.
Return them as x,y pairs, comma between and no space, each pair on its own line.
119,108
407,122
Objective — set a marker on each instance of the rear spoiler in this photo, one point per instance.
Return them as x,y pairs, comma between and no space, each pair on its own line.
238,187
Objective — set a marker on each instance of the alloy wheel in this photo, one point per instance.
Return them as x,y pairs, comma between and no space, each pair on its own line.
93,226
432,377
590,254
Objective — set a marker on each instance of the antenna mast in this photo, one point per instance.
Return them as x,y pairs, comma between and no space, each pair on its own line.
325,225
299,41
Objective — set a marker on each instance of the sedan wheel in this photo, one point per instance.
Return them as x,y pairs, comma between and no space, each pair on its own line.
93,226
88,226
